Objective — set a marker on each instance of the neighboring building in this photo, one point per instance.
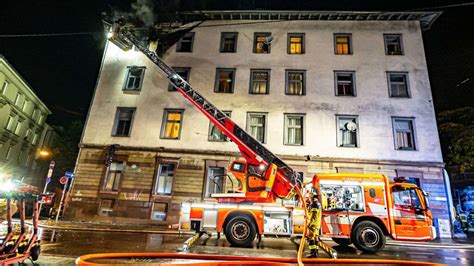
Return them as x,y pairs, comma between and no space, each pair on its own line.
333,92
22,122
40,170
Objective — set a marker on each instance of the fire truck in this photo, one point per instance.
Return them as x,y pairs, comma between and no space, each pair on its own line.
359,209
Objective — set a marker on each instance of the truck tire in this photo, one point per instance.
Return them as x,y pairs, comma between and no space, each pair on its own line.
240,231
342,241
368,237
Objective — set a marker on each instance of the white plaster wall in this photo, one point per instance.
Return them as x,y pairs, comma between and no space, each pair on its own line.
372,103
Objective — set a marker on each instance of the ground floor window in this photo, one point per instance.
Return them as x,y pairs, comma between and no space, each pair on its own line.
106,207
114,174
164,179
215,181
159,210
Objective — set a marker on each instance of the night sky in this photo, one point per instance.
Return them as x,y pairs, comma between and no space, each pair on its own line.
63,69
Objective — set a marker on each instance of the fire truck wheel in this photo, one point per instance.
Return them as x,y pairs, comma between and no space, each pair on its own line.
240,231
35,252
368,237
342,241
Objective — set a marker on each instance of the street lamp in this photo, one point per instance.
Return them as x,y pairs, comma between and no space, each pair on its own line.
44,153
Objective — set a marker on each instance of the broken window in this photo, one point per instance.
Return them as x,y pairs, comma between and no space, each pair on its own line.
347,131
343,43
295,82
185,44
256,125
294,129
182,72
112,180
260,81
393,44
228,42
215,134
344,83
164,179
225,80
398,84
123,122
296,43
262,43
134,78
404,134
171,127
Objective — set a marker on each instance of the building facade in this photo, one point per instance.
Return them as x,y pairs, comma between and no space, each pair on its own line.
22,123
325,94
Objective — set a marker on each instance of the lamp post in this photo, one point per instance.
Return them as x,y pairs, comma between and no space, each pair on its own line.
45,153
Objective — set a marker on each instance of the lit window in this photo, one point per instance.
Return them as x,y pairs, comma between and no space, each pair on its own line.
171,127
347,131
224,80
185,44
295,82
398,84
296,43
344,83
393,44
4,87
215,134
256,124
343,43
182,72
294,129
229,42
260,81
262,43
114,173
404,134
123,122
134,78
164,180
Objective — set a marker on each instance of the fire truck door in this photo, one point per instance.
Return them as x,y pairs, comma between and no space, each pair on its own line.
409,215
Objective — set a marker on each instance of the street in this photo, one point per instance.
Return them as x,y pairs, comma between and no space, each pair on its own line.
64,246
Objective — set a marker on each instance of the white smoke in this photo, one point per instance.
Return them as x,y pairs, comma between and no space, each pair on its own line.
143,10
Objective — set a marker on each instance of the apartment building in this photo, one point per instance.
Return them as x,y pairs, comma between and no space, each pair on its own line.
326,91
22,123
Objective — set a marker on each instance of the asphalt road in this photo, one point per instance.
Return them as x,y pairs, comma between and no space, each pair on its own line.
63,246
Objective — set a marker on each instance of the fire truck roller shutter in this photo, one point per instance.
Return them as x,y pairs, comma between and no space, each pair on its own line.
240,229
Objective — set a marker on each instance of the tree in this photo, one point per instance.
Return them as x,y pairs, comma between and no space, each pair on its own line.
456,129
65,147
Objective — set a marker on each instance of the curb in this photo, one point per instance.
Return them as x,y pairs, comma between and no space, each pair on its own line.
428,245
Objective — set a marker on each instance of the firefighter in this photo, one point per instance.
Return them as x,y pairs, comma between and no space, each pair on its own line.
314,224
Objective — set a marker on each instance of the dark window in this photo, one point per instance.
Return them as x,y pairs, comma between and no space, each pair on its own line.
372,193
171,127
123,122
262,42
343,43
344,83
134,78
182,72
259,81
224,80
185,44
164,179
347,132
114,173
398,85
215,134
294,129
229,42
404,134
296,43
256,125
295,82
393,44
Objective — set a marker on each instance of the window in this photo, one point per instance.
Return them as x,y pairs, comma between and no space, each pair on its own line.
41,119
185,44
342,197
393,44
158,212
215,181
35,139
228,42
404,134
114,174
17,99
10,122
164,179
259,81
295,82
256,125
347,131
402,199
182,72
345,83
18,128
134,78
224,80
4,87
262,42
25,105
171,128
294,130
106,206
296,43
215,134
398,84
343,43
9,152
123,122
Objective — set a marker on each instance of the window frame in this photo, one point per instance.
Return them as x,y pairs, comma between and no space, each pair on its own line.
407,84
217,79
211,125
18,99
165,120
5,85
179,43
223,35
287,81
399,36
413,131
295,34
180,69
354,88
265,115
116,121
285,128
338,131
349,38
142,77
106,176
252,71
259,34
157,178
